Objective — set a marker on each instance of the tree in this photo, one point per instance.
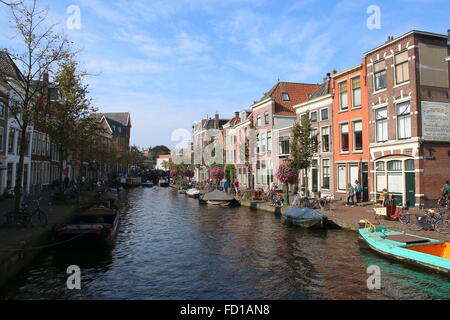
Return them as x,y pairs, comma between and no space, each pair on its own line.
303,147
230,172
286,175
71,122
43,48
217,174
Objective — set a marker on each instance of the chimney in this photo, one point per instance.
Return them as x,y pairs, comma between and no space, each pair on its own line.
216,120
45,78
327,77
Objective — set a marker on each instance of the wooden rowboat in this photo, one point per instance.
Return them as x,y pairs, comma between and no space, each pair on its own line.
430,253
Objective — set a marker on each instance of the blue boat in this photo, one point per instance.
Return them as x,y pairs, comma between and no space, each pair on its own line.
306,217
430,253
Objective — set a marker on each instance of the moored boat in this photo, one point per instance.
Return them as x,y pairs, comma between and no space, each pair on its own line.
194,193
305,217
430,253
97,225
219,198
147,184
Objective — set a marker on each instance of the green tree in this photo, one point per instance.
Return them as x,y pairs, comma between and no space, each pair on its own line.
230,172
304,146
71,122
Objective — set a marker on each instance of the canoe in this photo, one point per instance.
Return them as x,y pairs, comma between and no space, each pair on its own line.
147,184
305,217
430,253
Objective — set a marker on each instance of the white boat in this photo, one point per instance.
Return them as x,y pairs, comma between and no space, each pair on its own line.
194,193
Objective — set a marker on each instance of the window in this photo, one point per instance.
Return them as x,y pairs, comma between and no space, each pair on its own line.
258,146
313,117
2,134
358,135
380,75
404,120
2,110
314,132
324,114
12,134
326,139
394,166
401,68
326,174
286,97
266,118
285,147
258,121
381,166
409,165
269,141
344,138
343,95
382,125
356,86
342,177
264,143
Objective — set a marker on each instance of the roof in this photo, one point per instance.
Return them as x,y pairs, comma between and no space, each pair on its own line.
298,93
322,91
8,67
116,127
424,33
168,156
234,121
210,123
122,117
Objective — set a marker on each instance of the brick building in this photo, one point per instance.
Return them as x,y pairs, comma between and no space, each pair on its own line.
409,118
351,131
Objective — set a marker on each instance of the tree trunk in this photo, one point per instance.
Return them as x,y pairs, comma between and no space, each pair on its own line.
19,178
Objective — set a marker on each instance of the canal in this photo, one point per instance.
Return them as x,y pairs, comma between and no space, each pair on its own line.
170,248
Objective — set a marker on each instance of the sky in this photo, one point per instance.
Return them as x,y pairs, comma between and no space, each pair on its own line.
172,62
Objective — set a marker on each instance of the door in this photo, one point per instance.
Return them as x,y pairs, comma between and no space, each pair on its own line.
365,185
315,180
410,185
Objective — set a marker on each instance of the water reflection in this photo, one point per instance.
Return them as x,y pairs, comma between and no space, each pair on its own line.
169,247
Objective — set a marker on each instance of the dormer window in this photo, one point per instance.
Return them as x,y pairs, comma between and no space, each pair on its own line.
286,96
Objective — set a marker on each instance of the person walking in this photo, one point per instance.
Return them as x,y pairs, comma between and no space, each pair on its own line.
236,186
351,195
226,186
359,191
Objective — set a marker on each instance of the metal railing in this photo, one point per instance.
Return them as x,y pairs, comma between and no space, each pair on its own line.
369,227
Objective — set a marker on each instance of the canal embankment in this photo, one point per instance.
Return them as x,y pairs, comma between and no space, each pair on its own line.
19,245
348,218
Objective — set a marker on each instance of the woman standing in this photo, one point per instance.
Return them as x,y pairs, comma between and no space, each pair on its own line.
351,195
359,191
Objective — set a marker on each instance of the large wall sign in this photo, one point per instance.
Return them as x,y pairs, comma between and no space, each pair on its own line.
436,121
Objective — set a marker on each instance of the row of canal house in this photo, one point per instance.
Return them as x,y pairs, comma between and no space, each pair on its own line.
42,160
384,122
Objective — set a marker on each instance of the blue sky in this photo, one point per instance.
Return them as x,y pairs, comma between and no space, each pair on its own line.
172,62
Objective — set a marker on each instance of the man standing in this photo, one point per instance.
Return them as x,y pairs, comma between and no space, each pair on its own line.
359,191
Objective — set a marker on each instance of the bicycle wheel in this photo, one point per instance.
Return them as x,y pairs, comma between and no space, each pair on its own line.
405,218
442,226
419,223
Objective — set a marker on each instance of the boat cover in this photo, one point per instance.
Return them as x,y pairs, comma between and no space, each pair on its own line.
296,213
217,196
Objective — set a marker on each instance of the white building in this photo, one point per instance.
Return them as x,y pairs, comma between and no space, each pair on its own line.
160,162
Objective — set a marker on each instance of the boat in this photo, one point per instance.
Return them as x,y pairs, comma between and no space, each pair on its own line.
219,198
133,182
164,183
182,191
430,253
305,217
194,193
97,226
147,184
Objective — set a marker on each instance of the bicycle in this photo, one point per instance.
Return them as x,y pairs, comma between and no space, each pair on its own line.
427,221
442,225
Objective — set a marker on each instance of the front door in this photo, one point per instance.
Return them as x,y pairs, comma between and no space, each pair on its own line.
315,180
410,185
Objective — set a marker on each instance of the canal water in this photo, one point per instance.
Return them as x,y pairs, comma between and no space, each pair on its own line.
169,247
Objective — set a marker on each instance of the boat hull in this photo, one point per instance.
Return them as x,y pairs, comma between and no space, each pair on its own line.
402,252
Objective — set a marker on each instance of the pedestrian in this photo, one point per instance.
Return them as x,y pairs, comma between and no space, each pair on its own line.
66,182
386,198
351,195
226,186
359,191
446,190
236,186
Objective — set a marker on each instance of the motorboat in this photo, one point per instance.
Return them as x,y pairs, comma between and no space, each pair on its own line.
305,217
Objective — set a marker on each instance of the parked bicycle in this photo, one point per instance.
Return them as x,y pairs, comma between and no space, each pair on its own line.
442,225
29,216
428,220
